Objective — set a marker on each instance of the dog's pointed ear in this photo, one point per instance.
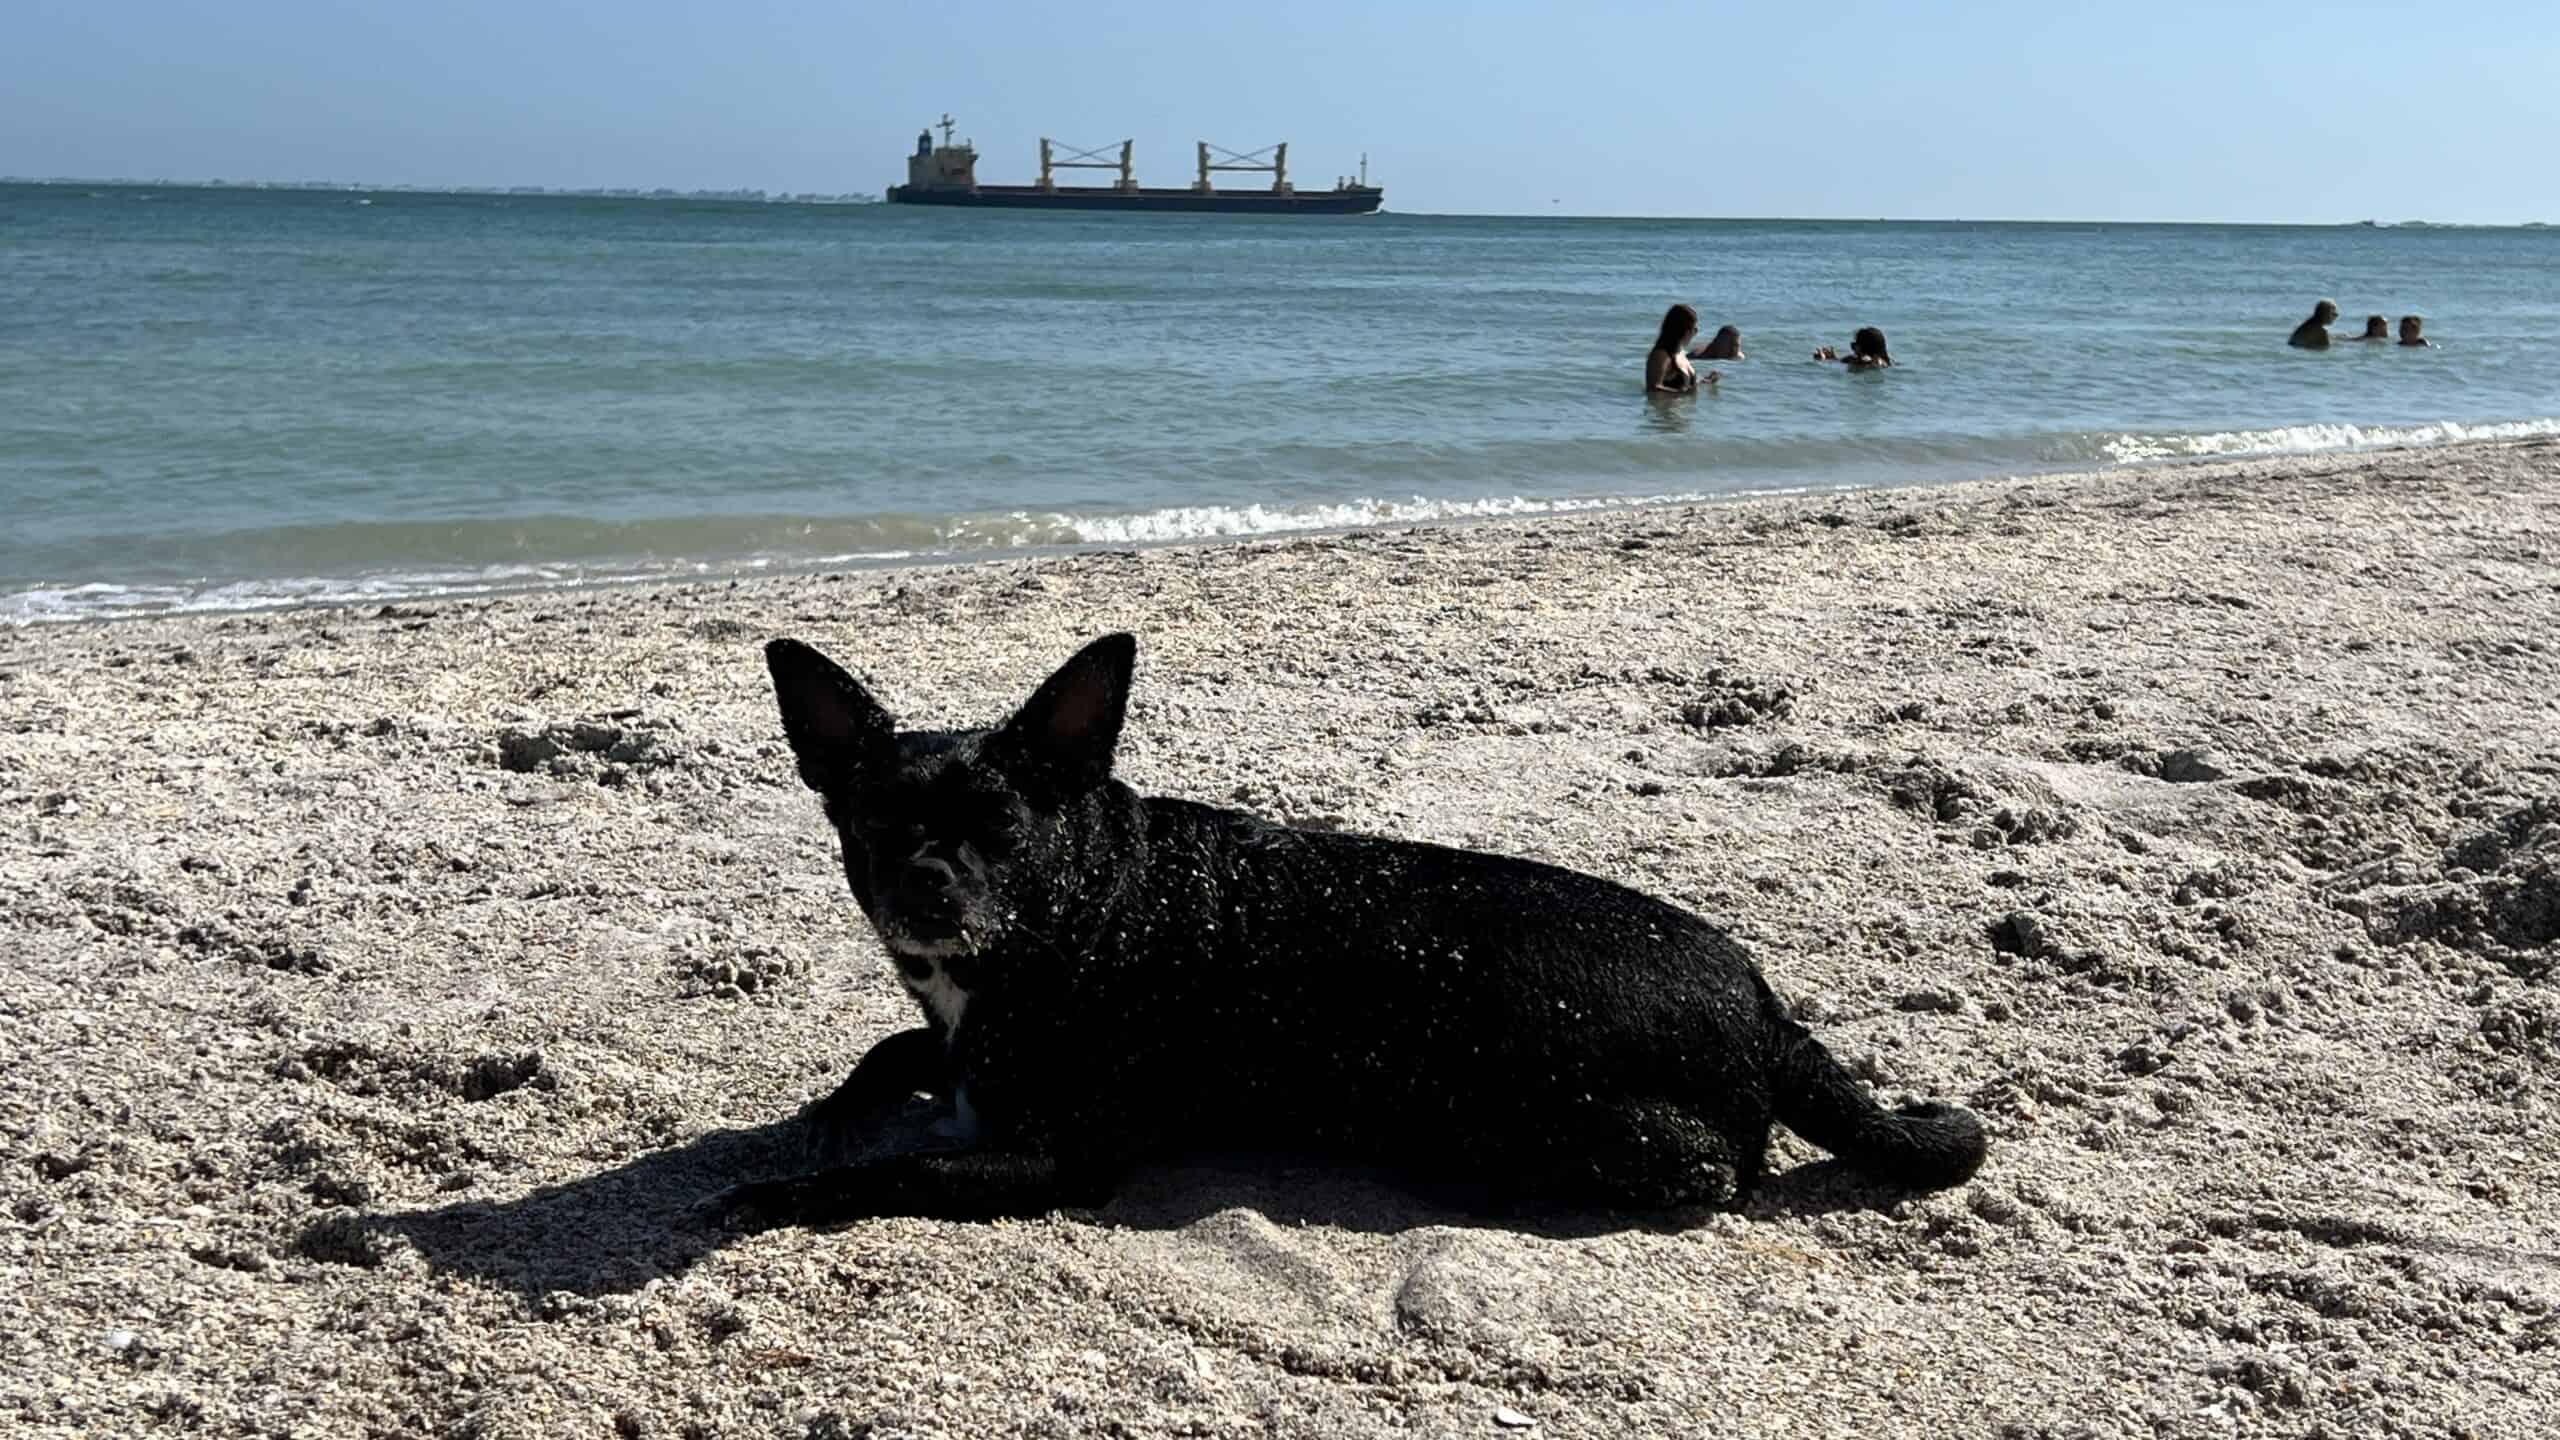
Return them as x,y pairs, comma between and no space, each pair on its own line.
836,728
1063,737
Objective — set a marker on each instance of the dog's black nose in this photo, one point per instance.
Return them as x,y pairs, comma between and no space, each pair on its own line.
926,878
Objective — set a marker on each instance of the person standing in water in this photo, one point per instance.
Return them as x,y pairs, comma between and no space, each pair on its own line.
2313,334
2409,327
1726,346
1667,370
2376,327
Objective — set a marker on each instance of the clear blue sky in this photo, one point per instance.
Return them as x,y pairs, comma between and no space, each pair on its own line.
2004,109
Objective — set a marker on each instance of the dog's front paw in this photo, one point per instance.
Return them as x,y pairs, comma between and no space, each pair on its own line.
834,1133
748,1208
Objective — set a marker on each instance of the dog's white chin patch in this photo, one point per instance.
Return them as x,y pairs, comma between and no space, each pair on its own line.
946,1000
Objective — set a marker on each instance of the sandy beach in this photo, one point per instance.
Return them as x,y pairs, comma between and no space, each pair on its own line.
385,983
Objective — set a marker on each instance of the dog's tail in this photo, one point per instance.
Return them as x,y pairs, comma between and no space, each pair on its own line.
1922,1147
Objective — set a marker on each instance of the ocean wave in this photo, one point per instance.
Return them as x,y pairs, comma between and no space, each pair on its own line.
582,552
1225,522
2312,439
956,537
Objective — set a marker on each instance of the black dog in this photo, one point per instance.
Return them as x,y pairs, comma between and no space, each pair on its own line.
1105,977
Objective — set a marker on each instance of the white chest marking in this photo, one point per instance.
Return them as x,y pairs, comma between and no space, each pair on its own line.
946,1000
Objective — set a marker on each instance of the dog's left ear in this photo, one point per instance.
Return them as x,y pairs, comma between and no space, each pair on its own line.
1063,737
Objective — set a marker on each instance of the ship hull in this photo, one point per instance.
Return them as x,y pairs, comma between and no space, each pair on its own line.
1356,201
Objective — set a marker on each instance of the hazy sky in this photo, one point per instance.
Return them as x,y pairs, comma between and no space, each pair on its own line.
2007,109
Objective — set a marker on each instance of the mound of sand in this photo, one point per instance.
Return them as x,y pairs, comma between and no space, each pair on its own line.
384,984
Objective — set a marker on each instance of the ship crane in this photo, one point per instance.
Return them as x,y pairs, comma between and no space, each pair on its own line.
1086,160
1277,167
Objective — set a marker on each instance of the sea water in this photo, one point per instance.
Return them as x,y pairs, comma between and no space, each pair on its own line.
216,398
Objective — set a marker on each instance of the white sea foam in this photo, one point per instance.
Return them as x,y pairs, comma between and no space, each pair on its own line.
108,601
1217,522
2313,439
105,601
961,536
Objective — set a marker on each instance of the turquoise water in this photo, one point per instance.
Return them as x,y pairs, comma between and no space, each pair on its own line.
216,398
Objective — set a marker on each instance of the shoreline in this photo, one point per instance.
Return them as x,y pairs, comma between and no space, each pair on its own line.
752,569
387,981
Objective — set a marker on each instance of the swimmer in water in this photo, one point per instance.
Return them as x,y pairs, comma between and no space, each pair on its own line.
2409,327
2376,327
1726,346
2313,334
1667,370
1866,351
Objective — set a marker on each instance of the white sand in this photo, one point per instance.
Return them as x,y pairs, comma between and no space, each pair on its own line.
2200,828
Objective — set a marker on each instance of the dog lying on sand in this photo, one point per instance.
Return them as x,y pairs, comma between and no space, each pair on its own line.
1105,977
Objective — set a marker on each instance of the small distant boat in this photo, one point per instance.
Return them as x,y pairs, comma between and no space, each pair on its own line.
947,174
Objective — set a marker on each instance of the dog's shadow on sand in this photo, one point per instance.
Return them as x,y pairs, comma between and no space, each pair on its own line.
615,1231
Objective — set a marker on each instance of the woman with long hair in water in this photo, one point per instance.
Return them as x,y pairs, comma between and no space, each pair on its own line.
1667,370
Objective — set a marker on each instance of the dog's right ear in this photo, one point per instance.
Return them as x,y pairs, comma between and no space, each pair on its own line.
836,728
1063,737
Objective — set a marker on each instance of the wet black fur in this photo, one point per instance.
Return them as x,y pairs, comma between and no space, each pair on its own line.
1148,975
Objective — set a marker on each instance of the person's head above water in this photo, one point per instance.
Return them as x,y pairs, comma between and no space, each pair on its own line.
1868,344
2313,334
2410,325
1726,346
2376,327
1678,324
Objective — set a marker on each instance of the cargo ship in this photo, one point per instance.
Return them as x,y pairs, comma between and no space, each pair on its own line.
947,174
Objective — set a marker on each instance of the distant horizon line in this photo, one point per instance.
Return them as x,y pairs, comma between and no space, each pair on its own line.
743,194
752,195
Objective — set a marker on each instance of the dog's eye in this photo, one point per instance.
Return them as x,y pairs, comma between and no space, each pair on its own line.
995,823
